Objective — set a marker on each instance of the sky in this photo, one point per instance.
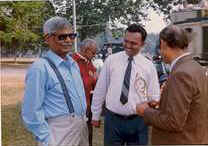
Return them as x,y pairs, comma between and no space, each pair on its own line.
156,24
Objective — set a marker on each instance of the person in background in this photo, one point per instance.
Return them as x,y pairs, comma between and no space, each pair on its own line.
126,78
89,76
109,49
45,110
182,116
98,63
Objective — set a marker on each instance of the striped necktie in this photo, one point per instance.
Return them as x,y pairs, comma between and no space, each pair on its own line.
126,83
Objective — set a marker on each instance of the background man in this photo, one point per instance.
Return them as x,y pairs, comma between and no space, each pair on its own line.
124,80
183,113
89,76
44,110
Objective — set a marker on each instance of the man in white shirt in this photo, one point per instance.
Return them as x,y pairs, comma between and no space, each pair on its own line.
126,79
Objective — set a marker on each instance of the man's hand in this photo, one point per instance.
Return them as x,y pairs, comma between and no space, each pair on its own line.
141,107
95,123
154,104
162,87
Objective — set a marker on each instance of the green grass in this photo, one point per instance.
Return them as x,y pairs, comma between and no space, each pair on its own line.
14,133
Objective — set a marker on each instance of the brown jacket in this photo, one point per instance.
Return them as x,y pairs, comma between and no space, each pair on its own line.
183,114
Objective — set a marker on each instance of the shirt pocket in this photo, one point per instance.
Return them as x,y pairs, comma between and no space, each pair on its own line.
55,86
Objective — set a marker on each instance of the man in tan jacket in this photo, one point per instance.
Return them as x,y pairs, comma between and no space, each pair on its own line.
182,116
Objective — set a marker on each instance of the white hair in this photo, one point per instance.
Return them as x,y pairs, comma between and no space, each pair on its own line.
86,43
55,23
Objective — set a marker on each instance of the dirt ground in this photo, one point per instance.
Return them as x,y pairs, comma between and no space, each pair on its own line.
12,83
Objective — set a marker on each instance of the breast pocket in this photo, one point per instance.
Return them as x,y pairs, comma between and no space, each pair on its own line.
56,86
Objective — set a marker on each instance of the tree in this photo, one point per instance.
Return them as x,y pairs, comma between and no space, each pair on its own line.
92,15
166,6
21,23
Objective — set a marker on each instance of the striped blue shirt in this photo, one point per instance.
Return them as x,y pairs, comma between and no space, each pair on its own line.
44,98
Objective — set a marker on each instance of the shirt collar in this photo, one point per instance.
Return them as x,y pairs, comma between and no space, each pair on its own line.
135,58
83,58
57,60
179,57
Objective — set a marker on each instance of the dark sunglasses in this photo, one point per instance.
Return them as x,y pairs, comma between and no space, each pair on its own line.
62,37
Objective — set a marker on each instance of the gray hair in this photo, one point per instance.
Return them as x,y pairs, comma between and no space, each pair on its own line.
86,44
55,23
175,37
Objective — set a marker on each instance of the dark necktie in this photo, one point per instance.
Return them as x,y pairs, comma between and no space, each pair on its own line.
126,83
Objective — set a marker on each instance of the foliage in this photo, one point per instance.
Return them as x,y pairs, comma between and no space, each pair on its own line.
166,6
92,15
99,12
21,23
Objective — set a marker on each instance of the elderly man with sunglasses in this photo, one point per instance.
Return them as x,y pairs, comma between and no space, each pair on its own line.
54,106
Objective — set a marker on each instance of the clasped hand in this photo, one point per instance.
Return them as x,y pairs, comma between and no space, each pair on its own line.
140,108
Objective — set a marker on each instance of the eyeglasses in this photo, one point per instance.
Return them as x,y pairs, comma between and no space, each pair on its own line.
62,37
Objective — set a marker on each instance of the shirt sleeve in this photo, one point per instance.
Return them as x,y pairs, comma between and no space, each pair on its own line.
174,106
153,85
32,107
100,91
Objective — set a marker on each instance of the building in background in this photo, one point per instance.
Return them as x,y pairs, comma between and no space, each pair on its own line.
195,21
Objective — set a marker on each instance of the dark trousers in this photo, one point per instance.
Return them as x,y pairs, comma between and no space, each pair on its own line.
119,131
89,125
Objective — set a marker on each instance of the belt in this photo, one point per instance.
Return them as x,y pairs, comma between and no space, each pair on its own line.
64,117
124,117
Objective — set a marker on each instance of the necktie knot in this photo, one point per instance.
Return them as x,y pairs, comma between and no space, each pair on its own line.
130,58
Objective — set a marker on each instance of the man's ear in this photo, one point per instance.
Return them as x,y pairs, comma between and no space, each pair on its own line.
143,43
85,50
46,38
46,41
163,42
